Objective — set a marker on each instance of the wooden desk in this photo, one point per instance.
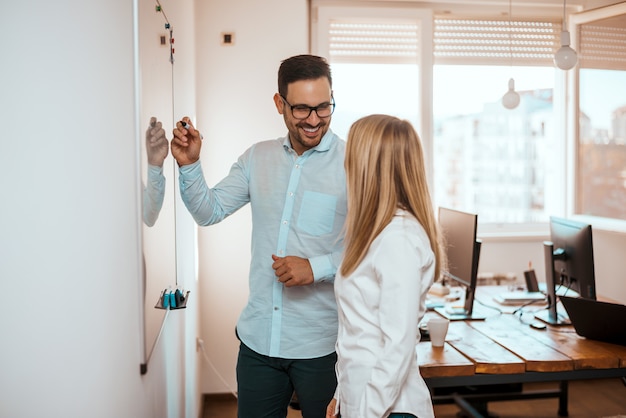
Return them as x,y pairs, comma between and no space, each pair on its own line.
504,349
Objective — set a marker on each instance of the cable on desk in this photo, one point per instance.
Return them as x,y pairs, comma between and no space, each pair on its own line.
521,315
521,308
495,308
521,311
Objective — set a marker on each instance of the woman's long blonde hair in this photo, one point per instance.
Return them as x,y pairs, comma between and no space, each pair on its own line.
385,171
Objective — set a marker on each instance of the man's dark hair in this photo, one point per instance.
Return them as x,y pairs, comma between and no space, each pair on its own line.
302,67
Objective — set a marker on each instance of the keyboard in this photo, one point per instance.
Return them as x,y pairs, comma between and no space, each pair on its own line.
519,298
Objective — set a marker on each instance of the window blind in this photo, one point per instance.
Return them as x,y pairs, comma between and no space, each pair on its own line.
456,41
495,41
372,42
602,47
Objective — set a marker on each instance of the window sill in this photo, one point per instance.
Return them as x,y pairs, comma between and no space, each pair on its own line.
513,232
541,232
602,224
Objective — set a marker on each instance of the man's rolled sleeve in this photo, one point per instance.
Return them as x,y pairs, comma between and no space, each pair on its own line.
323,268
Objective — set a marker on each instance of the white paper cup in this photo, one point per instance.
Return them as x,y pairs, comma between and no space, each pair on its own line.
438,328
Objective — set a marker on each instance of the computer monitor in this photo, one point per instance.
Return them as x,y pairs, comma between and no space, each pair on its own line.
463,253
573,256
569,265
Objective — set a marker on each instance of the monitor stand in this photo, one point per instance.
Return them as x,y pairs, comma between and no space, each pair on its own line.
551,318
551,315
459,314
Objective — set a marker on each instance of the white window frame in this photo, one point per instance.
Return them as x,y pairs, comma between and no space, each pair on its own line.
323,12
572,140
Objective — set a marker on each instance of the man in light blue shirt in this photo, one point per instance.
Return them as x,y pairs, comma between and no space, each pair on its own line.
297,192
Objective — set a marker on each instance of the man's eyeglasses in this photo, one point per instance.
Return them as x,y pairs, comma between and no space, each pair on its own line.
301,111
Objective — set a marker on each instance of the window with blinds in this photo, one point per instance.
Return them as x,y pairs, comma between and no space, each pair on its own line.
513,176
495,42
603,46
368,42
601,150
455,41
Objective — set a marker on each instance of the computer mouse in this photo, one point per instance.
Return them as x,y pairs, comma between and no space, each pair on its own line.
537,325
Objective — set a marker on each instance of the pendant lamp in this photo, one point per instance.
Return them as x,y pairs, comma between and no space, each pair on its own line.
511,98
565,58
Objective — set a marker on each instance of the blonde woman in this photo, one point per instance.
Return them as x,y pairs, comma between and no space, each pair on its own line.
392,256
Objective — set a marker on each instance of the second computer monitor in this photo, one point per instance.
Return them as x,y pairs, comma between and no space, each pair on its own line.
569,266
573,256
463,253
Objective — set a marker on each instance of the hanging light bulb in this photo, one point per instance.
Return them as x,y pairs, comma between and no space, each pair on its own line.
565,58
511,98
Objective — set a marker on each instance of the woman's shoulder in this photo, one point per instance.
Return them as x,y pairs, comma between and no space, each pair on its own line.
404,226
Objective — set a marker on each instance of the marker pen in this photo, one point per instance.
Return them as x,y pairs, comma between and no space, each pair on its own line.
186,126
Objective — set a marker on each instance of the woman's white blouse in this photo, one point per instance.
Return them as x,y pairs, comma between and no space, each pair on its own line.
380,306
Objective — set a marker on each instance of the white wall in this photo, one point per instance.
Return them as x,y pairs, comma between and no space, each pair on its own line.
69,259
609,249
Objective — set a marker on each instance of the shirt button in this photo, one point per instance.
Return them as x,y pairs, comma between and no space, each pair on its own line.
275,308
285,222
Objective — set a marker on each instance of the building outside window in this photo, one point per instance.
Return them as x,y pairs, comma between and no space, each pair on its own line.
489,159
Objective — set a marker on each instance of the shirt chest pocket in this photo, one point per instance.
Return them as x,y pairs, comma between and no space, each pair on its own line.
317,213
